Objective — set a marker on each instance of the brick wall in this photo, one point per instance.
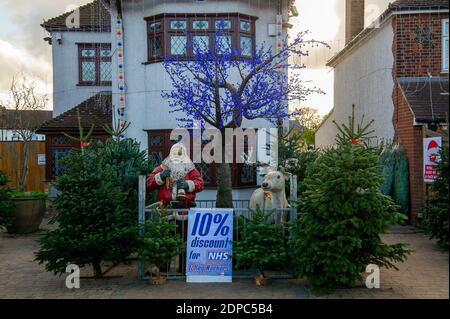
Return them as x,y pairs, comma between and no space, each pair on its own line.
411,138
354,18
414,58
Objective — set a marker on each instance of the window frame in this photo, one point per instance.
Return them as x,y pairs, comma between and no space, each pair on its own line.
97,59
445,37
166,32
71,145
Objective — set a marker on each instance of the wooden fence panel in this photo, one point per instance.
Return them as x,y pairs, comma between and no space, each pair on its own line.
11,159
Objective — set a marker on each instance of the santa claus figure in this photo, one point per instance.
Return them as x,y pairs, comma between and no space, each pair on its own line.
176,179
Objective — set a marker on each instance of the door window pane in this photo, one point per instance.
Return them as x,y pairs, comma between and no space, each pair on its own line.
58,154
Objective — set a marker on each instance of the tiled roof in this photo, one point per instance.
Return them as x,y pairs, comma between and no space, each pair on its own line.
424,107
401,5
94,16
95,111
12,119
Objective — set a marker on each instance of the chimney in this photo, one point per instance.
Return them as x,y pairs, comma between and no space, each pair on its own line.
354,18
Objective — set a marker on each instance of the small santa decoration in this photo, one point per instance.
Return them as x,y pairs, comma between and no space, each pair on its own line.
176,179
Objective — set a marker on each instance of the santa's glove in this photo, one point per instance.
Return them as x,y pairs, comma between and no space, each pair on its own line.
165,174
182,185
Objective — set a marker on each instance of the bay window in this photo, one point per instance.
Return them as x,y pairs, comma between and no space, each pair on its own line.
183,34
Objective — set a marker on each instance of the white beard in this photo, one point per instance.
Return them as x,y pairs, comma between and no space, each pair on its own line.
178,170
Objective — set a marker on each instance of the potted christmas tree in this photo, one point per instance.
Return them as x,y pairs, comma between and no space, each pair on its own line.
159,245
261,246
342,214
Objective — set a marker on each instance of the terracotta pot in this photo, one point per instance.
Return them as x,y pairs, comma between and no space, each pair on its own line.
159,280
27,215
260,280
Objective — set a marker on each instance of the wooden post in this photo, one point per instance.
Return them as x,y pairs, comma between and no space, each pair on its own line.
141,219
293,197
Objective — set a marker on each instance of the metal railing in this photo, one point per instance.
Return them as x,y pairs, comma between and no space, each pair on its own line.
176,269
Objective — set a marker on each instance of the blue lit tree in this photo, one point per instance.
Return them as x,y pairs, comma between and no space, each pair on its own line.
220,87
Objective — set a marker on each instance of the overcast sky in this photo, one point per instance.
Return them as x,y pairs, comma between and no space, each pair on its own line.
22,49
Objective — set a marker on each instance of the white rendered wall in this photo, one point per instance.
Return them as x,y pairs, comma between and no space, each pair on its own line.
364,78
146,109
66,92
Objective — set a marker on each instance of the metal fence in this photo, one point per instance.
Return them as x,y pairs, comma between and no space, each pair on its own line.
177,268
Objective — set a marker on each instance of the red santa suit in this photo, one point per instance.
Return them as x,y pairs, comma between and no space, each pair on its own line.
193,178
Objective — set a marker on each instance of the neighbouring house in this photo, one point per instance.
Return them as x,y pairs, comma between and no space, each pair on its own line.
13,120
95,113
396,73
117,47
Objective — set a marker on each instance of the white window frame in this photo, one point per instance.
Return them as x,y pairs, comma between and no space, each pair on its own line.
445,62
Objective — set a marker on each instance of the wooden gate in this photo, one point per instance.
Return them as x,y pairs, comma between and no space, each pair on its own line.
11,162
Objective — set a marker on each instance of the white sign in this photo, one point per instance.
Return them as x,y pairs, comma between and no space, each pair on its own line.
41,159
210,246
431,148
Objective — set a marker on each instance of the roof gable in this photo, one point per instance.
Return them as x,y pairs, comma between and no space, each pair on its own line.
95,111
94,17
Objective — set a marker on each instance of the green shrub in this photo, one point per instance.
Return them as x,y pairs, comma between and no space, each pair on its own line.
435,210
160,243
261,245
97,207
5,203
342,214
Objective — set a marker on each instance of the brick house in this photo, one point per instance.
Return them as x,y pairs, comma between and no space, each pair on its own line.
396,72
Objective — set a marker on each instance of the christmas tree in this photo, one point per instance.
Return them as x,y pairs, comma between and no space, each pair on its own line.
97,207
261,244
343,213
160,243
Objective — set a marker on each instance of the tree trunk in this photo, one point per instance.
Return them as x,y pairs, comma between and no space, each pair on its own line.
224,186
97,269
24,170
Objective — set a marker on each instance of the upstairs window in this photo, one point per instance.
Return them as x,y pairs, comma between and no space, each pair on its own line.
182,34
95,66
445,55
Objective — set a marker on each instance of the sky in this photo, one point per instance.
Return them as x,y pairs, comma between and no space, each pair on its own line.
23,50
